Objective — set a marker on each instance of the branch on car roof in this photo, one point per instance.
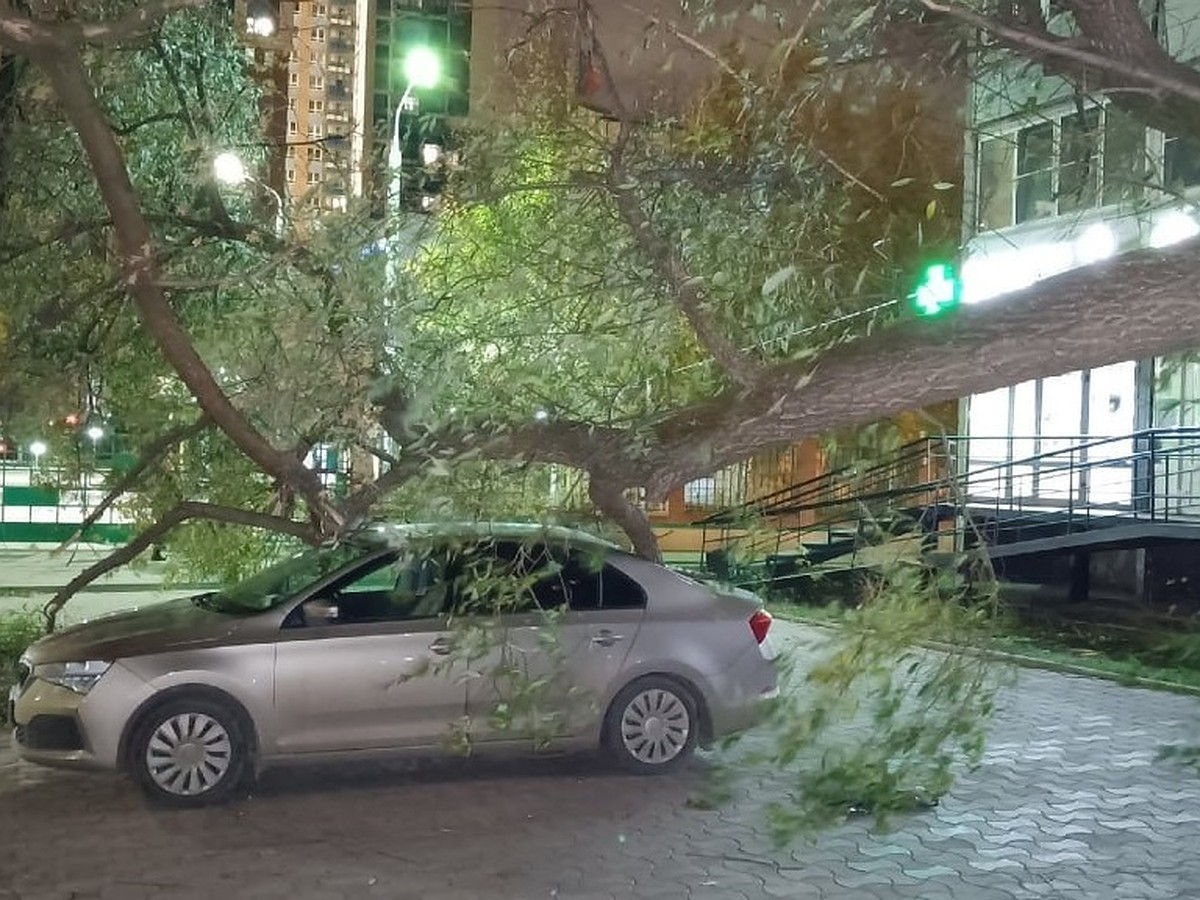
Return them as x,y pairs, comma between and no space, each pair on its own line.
177,515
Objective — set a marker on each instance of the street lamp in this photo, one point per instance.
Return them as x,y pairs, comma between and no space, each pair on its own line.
38,449
422,69
228,168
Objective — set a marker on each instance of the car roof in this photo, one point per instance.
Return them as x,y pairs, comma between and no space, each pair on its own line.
395,534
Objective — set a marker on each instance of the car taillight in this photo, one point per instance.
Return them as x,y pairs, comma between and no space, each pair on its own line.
760,624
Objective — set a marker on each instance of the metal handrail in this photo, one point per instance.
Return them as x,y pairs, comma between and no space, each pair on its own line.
1060,481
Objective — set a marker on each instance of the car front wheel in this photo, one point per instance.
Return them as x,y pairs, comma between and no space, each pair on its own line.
190,752
652,726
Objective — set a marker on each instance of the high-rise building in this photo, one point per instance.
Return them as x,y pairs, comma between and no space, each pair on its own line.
336,95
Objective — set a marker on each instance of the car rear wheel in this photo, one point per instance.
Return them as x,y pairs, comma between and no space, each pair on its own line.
191,752
652,726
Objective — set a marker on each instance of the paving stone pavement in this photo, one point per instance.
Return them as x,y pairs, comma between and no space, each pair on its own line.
1069,803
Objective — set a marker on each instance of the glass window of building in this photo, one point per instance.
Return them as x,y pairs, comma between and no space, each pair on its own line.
1124,156
1079,161
1181,163
1035,172
996,157
1071,162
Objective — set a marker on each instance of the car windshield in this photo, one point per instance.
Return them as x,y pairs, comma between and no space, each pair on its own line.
284,579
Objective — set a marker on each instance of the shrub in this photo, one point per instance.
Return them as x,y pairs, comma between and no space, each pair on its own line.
17,631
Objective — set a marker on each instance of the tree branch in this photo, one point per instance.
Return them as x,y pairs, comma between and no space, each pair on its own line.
1081,319
141,275
610,499
1149,65
173,517
686,290
151,454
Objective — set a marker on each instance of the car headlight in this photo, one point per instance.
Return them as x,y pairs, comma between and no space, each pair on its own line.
79,677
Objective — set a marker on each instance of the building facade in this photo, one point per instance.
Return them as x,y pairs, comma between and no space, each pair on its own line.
1059,180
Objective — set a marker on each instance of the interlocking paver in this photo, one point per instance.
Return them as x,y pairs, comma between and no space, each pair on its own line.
1069,802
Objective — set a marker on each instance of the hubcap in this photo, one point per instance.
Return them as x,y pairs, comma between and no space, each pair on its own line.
188,754
655,726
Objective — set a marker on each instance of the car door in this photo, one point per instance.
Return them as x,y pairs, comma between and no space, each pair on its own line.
365,663
553,659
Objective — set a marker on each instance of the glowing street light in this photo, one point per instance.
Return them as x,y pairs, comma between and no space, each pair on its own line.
422,70
37,450
95,432
229,169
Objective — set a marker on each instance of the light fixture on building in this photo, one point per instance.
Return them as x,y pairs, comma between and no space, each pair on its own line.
260,18
38,449
1174,226
1095,244
262,26
94,433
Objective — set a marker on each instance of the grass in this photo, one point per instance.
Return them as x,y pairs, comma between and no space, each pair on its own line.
17,631
1128,665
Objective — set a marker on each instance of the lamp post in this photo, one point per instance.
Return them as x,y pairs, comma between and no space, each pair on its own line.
422,69
228,168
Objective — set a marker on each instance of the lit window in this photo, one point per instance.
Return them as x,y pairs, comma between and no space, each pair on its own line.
701,492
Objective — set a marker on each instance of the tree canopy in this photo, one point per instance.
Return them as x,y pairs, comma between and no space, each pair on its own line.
640,297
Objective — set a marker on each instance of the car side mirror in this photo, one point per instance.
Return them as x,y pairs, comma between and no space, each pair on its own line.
321,611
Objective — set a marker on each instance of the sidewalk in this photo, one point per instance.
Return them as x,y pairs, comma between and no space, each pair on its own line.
31,575
44,569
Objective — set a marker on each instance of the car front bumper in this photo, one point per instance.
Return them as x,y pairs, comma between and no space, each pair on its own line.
54,726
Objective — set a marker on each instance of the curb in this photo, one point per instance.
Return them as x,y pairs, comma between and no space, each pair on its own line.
1033,662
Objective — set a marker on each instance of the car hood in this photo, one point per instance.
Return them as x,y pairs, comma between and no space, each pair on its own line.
172,625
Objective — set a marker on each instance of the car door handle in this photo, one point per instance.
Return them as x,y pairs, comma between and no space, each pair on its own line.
606,638
441,646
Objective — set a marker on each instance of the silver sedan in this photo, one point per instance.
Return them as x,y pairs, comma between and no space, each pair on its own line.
401,639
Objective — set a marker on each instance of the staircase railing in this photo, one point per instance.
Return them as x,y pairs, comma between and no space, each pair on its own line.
1151,475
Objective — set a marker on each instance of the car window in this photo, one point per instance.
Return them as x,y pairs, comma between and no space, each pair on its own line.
619,591
286,578
491,577
394,587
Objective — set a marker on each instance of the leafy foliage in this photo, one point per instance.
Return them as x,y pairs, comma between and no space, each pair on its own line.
874,721
17,631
